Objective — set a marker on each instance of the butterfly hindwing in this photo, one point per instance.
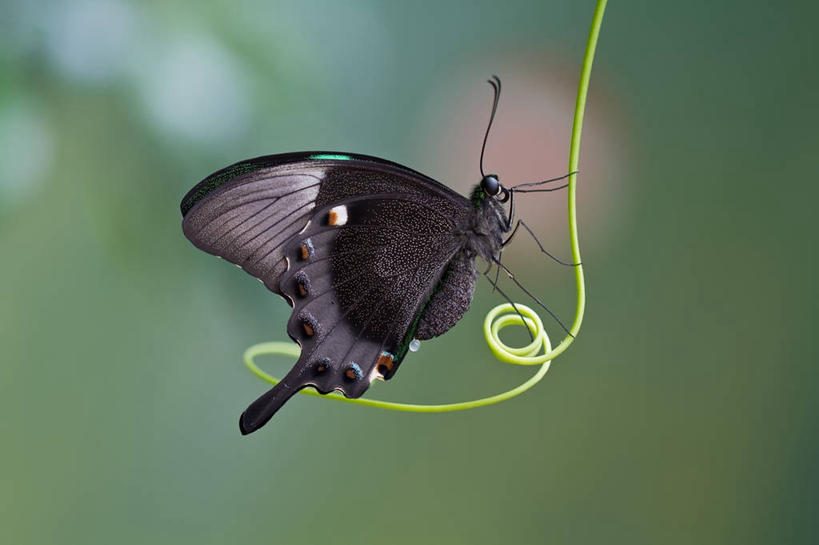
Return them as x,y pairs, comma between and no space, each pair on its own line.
359,277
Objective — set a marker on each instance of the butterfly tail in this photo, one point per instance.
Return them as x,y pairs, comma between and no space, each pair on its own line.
260,411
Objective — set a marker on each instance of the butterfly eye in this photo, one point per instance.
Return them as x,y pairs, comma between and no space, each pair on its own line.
490,185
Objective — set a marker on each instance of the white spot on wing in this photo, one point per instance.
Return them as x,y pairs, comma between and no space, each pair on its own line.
338,215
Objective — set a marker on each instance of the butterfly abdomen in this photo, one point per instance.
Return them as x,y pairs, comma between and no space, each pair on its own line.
453,295
451,298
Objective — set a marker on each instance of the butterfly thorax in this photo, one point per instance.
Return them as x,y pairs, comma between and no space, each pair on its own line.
483,235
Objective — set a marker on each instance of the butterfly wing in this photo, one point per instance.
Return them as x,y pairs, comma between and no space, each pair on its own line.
248,218
246,213
356,244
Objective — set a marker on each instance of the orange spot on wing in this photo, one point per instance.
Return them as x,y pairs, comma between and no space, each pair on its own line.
384,364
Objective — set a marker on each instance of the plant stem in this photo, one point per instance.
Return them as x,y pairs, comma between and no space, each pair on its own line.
574,159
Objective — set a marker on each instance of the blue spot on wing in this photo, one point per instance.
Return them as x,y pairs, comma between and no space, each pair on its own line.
331,156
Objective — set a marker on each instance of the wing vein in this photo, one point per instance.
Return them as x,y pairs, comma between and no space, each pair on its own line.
221,214
273,249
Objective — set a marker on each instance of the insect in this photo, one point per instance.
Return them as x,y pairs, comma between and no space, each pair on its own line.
371,255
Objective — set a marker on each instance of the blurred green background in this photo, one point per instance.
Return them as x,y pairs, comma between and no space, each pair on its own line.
686,412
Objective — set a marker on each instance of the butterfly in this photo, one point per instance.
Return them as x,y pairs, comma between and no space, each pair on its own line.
372,256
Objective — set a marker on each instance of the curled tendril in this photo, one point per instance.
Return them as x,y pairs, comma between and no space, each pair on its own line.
494,322
539,351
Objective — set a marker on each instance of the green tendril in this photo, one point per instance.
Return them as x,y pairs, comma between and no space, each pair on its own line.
539,351
491,325
574,159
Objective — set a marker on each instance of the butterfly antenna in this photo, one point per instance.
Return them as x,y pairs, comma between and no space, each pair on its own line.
523,321
496,85
530,294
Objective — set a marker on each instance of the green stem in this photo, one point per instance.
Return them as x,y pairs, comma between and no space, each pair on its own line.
574,160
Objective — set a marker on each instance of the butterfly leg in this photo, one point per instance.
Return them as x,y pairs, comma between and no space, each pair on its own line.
534,298
495,287
497,273
542,249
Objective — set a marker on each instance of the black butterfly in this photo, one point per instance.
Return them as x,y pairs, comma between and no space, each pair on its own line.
369,253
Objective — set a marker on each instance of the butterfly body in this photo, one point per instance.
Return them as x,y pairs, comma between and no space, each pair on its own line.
369,253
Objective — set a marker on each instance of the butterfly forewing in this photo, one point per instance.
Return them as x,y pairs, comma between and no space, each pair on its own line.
248,220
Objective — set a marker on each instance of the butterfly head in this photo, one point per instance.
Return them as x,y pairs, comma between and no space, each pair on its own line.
490,185
490,188
490,219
